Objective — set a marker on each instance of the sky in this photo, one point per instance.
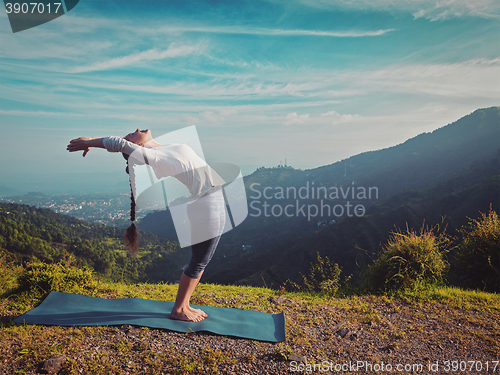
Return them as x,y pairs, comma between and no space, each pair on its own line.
309,81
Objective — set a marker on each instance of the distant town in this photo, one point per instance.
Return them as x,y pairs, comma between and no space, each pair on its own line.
94,208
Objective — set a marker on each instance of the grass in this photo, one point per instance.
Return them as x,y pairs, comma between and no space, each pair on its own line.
478,257
452,296
408,259
311,323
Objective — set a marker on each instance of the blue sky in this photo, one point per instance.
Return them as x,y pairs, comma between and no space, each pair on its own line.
307,80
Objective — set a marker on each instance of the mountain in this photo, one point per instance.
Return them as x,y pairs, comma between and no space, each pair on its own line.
419,162
427,158
6,191
355,242
407,183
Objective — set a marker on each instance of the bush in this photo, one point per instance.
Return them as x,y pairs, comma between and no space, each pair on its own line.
324,277
38,279
478,257
408,260
9,272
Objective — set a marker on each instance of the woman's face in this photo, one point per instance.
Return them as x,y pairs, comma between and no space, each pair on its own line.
139,137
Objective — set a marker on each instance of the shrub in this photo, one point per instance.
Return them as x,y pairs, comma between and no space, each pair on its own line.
324,277
408,260
9,271
478,257
40,278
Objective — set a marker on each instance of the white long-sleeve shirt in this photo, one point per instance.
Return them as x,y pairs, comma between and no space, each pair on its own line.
177,160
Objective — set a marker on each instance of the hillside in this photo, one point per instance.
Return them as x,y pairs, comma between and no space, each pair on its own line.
435,326
355,242
28,233
430,176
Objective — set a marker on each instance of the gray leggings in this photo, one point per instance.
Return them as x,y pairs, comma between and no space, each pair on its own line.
207,216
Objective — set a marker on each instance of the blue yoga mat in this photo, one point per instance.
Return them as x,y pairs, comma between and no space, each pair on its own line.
68,309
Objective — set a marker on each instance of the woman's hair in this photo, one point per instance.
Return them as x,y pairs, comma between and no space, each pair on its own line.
131,237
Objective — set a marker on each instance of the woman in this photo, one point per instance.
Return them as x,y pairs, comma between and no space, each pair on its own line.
206,208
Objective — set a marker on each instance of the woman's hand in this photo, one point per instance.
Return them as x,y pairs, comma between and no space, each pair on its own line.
79,144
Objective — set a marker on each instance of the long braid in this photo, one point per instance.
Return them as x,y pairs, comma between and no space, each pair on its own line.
132,202
131,237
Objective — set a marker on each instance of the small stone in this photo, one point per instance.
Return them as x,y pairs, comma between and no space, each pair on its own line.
343,332
53,365
297,358
129,330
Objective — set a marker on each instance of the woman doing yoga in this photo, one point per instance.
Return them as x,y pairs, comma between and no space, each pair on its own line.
205,208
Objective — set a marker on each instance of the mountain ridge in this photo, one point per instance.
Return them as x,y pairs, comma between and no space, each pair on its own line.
450,159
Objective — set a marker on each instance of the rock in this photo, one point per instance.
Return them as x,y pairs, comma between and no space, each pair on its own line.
343,332
297,358
53,365
129,330
279,300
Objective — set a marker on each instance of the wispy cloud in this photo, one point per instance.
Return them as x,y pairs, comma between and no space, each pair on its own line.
38,114
135,58
473,78
281,96
273,32
433,10
294,118
439,10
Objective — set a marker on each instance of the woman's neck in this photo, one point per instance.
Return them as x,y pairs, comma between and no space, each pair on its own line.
151,144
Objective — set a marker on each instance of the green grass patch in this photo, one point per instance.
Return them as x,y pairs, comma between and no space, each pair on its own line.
311,317
452,296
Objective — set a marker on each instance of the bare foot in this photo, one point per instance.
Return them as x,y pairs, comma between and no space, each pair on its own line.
186,314
198,311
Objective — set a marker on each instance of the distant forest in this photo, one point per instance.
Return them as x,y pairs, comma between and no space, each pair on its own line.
28,233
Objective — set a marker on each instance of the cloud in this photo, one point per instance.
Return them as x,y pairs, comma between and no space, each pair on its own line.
457,9
474,78
335,118
272,32
132,59
211,116
279,94
294,118
330,113
432,10
38,114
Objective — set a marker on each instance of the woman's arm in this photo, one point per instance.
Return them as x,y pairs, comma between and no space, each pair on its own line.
84,144
112,144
